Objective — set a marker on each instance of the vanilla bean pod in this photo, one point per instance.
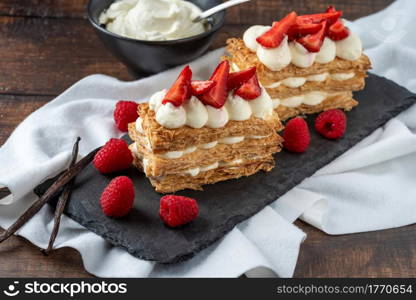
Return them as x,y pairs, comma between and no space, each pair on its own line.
60,206
4,192
66,177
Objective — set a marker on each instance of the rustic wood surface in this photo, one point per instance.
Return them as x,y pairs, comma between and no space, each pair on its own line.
46,46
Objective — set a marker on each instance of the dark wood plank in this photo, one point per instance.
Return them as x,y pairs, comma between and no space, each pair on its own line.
46,56
19,258
385,253
267,11
44,8
14,109
255,12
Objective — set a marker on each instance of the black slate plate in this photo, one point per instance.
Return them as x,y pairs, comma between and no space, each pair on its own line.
225,204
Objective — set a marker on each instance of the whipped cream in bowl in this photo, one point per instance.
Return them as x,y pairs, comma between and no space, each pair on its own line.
152,20
150,36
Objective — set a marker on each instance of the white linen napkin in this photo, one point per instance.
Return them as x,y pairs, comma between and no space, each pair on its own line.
367,188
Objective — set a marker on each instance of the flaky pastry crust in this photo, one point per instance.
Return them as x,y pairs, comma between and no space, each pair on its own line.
173,183
164,139
246,150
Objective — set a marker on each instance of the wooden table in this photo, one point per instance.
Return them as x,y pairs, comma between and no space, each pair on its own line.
46,46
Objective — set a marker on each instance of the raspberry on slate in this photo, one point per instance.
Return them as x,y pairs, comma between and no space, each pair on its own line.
331,123
114,156
125,113
177,210
118,197
296,135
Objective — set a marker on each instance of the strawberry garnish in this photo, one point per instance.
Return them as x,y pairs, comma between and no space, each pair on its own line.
199,87
273,37
301,29
217,95
313,42
249,90
181,89
330,17
330,9
236,79
338,31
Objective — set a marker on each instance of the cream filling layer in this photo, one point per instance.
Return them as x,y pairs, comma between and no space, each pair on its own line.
311,98
219,164
196,171
295,82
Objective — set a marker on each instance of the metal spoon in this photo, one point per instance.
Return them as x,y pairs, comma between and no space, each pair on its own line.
217,8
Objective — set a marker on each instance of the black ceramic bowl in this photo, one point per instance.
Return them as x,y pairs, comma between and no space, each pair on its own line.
144,58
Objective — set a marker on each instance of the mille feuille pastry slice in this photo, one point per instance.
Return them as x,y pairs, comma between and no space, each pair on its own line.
202,132
307,63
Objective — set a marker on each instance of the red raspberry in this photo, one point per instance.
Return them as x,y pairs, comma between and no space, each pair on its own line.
125,113
118,197
331,123
114,156
177,210
296,135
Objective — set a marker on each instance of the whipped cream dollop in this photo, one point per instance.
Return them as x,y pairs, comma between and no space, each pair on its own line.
280,57
195,114
275,58
327,52
153,20
171,116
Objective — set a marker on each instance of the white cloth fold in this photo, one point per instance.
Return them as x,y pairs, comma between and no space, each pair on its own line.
368,188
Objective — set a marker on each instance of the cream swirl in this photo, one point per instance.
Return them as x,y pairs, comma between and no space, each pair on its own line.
217,117
196,113
349,48
262,106
275,58
300,56
327,52
251,34
238,108
171,116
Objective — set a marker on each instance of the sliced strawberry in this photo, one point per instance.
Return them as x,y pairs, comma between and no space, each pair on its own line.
236,79
181,89
199,87
249,90
273,37
330,9
218,94
330,17
338,31
313,42
301,29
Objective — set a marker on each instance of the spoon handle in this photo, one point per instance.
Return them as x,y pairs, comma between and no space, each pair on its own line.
218,8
